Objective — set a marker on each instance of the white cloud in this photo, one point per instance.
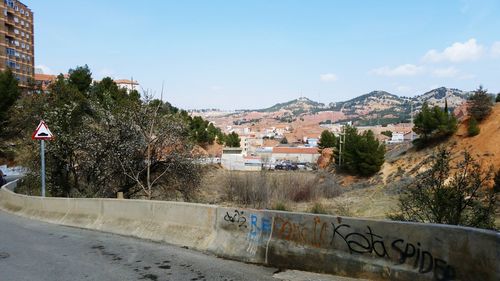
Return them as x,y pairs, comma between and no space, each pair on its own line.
457,52
402,70
44,69
328,77
495,50
448,72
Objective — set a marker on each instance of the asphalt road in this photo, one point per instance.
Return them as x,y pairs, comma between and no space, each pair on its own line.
36,251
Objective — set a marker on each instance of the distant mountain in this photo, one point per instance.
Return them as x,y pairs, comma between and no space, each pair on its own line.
455,97
381,106
296,106
372,102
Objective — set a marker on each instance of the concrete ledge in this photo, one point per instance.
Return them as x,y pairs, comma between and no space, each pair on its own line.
362,248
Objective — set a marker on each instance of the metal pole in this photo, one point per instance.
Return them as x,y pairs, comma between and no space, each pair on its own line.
42,153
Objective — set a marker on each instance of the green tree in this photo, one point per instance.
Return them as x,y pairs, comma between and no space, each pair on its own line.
9,93
81,77
498,98
480,104
473,128
362,154
107,141
327,139
449,196
433,124
233,140
284,140
387,133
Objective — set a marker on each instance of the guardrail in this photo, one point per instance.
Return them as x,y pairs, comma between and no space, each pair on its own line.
372,249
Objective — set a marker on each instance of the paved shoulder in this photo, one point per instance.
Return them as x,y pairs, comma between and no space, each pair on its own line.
32,250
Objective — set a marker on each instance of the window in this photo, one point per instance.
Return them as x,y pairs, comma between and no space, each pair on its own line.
16,31
16,8
22,22
27,47
23,45
10,51
22,11
16,19
27,36
5,12
9,3
27,25
16,43
22,33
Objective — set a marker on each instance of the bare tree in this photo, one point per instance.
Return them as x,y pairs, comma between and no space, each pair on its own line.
157,147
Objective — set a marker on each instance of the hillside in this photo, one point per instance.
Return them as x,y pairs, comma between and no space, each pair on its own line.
376,107
455,97
296,106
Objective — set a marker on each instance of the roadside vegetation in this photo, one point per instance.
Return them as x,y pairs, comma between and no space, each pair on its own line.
433,125
360,154
277,190
457,195
108,139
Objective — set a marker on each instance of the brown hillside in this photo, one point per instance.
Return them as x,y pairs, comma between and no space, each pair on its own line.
486,145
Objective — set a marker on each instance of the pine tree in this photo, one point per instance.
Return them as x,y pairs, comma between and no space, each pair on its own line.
480,104
233,140
433,124
327,139
362,154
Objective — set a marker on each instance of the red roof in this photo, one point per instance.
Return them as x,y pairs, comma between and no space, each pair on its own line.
296,150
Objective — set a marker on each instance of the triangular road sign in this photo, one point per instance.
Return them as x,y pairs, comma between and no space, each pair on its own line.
42,132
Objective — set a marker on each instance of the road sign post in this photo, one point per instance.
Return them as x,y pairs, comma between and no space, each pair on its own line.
42,172
42,133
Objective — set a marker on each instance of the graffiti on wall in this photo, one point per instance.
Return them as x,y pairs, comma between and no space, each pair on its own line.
258,227
237,217
322,233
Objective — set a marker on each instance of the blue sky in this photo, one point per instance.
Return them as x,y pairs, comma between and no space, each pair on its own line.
253,54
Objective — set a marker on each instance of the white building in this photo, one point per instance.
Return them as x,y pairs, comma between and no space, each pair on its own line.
233,159
129,85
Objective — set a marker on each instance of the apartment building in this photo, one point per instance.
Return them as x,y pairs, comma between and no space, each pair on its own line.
16,40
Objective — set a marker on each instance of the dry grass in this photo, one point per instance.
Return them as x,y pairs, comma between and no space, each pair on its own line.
265,189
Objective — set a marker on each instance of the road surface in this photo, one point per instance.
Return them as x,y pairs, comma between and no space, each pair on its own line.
32,250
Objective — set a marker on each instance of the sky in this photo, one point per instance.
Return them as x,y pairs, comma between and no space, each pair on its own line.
253,54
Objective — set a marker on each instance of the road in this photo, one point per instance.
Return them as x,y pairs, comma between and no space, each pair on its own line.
32,250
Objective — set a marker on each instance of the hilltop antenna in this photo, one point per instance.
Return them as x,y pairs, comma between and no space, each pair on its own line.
411,120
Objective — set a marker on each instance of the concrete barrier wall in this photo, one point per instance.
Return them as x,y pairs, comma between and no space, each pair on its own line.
378,250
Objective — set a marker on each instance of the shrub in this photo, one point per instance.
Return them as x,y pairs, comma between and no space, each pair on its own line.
280,206
318,208
262,189
438,196
496,187
473,128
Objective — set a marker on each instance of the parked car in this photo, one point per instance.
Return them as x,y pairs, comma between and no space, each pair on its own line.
286,166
